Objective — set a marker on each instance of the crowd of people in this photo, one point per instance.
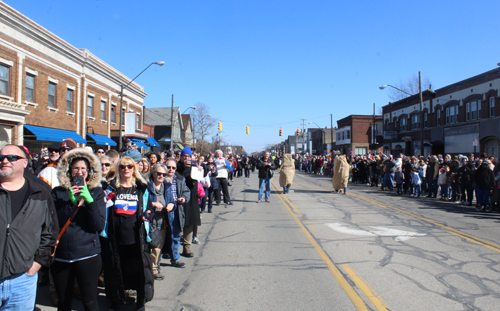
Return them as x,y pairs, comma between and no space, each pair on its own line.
107,218
461,179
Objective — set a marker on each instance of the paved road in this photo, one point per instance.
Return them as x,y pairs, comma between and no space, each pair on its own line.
316,250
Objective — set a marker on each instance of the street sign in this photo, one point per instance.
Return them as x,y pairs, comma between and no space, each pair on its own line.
475,142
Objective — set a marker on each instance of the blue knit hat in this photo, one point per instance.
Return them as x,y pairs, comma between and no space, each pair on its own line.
186,150
134,154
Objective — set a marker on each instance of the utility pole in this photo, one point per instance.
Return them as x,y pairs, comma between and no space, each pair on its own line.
331,133
373,129
172,125
303,136
421,116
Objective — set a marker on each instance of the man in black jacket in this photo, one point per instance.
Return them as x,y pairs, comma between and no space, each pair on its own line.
29,240
265,166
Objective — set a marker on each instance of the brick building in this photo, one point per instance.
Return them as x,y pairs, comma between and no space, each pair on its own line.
51,90
459,118
354,133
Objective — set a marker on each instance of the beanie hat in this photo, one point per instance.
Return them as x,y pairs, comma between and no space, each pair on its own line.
186,150
134,154
68,143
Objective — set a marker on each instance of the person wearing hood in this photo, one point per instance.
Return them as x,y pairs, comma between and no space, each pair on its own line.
287,172
126,255
78,253
191,207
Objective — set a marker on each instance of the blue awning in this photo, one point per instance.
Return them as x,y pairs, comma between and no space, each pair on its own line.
49,134
101,140
139,143
153,142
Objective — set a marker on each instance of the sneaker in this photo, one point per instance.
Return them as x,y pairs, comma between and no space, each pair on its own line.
158,276
178,264
209,211
479,208
196,241
230,203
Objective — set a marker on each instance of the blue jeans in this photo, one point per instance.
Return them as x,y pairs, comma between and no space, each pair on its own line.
210,194
204,199
388,181
483,197
264,182
417,190
286,188
18,292
176,238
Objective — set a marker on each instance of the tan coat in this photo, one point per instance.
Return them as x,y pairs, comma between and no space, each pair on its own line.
340,173
287,171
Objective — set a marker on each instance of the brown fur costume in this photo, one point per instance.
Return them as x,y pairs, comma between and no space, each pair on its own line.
340,173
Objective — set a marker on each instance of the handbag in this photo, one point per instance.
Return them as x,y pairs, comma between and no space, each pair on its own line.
155,235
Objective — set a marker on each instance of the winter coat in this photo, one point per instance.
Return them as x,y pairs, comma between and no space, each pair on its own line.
31,235
182,192
214,184
191,207
484,177
81,238
163,215
115,289
287,171
265,171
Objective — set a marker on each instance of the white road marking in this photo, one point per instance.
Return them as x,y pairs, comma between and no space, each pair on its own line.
399,235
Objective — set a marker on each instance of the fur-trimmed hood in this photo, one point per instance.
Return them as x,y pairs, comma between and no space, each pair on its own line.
94,174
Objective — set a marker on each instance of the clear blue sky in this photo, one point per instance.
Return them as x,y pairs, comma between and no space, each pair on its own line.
268,64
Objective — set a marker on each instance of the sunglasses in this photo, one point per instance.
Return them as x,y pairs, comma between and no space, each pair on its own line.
65,149
106,164
101,152
161,174
11,157
53,150
172,168
122,167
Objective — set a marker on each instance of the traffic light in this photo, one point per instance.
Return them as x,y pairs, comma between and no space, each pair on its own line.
248,130
298,132
220,125
281,131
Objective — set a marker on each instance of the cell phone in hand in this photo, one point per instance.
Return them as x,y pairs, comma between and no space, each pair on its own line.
78,181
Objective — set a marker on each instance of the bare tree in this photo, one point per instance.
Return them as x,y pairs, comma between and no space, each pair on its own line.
203,124
410,86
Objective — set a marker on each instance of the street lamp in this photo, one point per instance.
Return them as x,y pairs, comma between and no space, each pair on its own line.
421,109
172,124
122,88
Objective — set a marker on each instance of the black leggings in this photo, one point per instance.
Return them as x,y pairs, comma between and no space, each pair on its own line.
86,273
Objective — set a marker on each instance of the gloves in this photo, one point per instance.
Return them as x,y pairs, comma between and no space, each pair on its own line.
72,197
85,194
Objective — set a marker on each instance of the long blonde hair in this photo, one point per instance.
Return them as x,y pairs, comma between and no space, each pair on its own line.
135,176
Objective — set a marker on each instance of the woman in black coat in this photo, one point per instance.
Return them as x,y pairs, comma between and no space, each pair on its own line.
192,207
126,255
78,255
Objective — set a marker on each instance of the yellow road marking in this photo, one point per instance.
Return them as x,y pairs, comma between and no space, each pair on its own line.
466,236
377,301
313,228
349,290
